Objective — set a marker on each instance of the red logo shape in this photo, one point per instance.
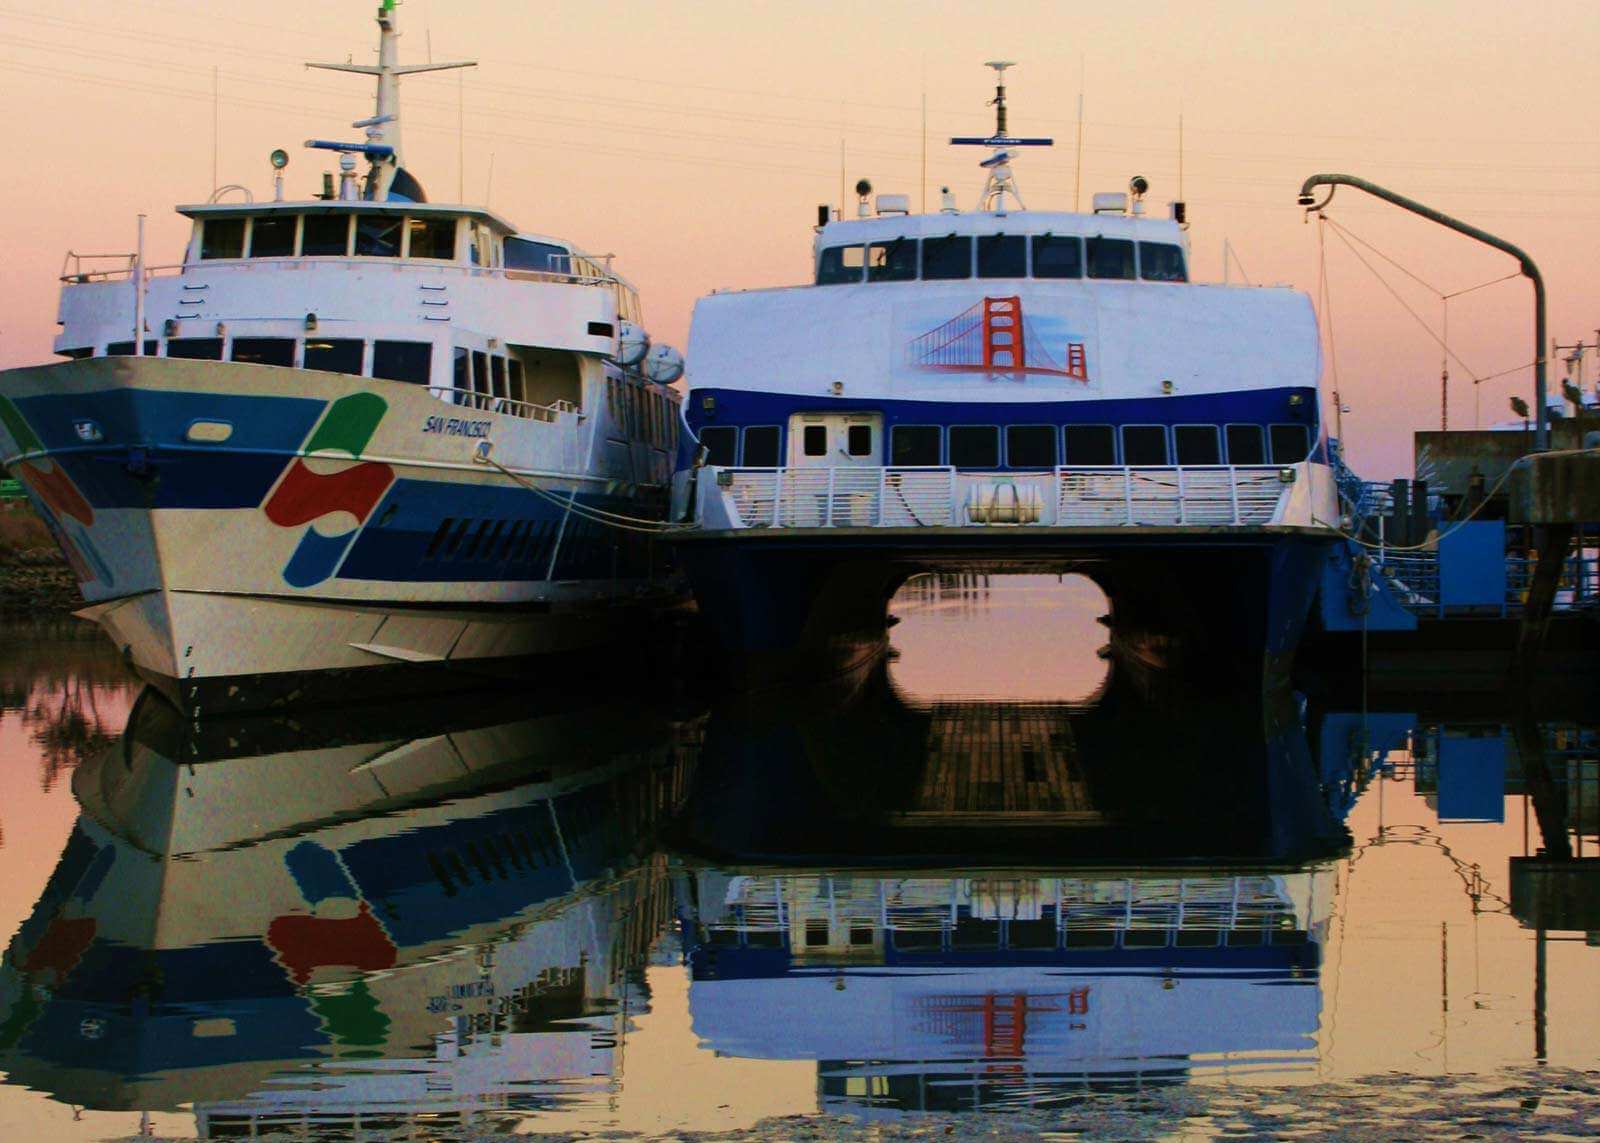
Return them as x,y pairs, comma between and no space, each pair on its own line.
303,495
305,944
62,946
56,489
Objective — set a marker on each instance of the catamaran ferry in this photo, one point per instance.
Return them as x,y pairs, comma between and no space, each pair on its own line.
1008,390
281,474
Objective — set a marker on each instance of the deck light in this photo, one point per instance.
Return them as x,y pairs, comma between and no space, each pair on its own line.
708,403
1296,399
837,387
280,159
222,329
1167,386
169,328
311,323
1286,475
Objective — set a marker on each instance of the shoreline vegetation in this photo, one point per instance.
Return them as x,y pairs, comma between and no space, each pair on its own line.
34,577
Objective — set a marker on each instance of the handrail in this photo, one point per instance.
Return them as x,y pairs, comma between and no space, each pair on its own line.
509,406
80,276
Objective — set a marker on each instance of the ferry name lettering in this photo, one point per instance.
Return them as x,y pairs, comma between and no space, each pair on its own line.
455,427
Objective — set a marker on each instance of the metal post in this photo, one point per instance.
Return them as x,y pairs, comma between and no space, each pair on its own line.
1541,440
827,511
138,293
1233,489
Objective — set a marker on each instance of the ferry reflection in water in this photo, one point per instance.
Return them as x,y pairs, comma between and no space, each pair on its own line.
849,919
449,923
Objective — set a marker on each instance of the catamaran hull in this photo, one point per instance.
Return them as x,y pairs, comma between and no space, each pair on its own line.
243,530
1201,606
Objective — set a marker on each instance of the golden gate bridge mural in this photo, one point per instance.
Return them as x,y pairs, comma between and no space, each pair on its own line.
995,337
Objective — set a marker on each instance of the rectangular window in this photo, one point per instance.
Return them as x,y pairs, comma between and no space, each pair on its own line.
480,372
840,264
516,388
461,372
195,348
1144,444
1290,443
409,361
1110,258
541,257
1161,262
378,237
222,238
431,237
947,259
914,445
858,440
892,261
86,351
438,538
497,375
1057,257
1197,444
1031,446
1002,256
325,236
264,350
335,355
720,442
814,440
1090,445
761,446
975,446
125,348
272,236
1244,445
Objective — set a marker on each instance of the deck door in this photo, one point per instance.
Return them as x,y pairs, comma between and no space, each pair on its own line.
824,440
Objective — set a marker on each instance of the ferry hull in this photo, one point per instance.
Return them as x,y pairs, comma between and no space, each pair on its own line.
240,530
1202,607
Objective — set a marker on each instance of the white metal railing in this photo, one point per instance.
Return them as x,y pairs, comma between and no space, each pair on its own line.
489,403
78,268
848,496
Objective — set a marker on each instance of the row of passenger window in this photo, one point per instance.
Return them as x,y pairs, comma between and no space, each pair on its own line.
1027,446
642,413
960,256
409,361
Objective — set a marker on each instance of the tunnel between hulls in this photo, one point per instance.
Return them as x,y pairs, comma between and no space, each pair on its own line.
1216,617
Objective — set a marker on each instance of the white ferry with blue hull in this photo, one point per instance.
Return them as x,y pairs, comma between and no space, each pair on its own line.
1023,389
280,482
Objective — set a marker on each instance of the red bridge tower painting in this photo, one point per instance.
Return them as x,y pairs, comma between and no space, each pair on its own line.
994,337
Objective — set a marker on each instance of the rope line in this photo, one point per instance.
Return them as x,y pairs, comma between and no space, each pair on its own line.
595,515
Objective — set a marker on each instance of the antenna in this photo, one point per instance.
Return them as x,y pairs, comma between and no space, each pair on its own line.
1001,181
382,148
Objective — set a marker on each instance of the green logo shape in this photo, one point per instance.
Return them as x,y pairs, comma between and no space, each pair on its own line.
27,440
349,424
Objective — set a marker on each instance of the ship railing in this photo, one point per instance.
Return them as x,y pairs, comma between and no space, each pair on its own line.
489,403
1414,580
81,268
1067,496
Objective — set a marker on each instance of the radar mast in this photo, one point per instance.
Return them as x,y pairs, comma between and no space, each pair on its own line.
1001,181
382,148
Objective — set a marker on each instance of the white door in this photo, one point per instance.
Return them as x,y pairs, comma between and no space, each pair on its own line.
834,440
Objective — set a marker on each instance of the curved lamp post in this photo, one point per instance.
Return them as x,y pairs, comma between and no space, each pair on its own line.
1541,433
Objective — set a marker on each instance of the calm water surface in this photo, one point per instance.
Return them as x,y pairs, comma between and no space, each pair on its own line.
997,886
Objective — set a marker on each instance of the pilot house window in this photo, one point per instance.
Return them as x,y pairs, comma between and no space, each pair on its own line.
1055,257
840,264
892,261
1002,256
1161,262
946,259
378,237
325,235
222,238
272,236
264,350
195,348
432,237
1110,258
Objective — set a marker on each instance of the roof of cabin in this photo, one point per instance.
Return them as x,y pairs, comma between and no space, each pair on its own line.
358,206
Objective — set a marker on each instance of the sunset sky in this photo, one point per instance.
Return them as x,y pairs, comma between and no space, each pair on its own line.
695,140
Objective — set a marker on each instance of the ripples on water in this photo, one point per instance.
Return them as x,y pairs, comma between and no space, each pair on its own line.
994,874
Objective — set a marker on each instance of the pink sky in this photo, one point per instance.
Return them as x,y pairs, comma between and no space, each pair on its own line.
695,141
